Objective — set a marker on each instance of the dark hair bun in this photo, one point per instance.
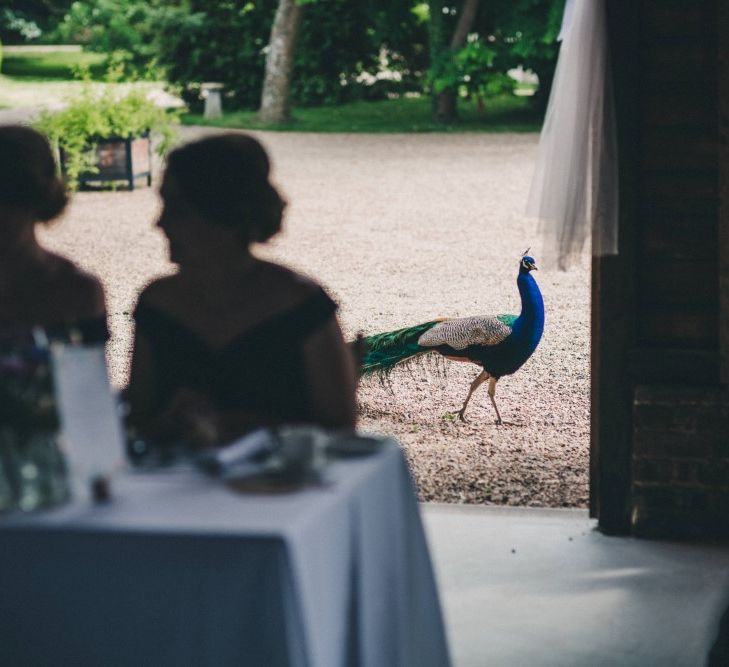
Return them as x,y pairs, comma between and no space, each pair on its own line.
225,177
55,201
28,175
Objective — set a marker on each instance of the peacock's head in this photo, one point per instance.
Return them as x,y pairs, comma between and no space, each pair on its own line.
527,263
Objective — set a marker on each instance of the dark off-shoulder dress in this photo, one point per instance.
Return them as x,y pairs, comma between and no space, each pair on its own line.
260,372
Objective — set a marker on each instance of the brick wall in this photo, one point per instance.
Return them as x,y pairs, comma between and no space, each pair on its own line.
680,411
680,462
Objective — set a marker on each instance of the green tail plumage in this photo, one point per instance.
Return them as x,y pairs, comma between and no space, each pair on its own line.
385,350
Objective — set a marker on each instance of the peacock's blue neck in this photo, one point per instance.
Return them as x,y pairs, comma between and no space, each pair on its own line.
529,326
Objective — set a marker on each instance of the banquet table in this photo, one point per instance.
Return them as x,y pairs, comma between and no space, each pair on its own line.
179,569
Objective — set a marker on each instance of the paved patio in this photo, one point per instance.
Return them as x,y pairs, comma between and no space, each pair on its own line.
542,588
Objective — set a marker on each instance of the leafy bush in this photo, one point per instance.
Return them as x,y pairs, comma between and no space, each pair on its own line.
471,72
525,34
339,42
343,47
122,29
505,34
221,41
103,113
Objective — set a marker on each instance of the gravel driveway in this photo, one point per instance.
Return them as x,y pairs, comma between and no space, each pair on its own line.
400,229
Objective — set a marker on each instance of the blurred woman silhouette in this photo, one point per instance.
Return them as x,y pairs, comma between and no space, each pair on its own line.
39,287
231,342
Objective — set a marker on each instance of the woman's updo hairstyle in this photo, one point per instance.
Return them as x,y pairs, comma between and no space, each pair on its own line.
225,178
28,175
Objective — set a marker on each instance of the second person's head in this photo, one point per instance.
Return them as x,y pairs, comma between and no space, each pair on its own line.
217,197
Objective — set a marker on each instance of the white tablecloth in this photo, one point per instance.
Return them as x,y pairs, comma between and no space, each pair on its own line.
178,570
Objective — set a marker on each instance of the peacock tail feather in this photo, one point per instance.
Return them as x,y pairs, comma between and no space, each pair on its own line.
385,350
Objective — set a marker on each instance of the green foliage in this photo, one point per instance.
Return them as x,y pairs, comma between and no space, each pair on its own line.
505,34
347,51
121,29
421,12
529,30
30,20
471,71
199,41
335,53
525,32
102,113
339,55
17,27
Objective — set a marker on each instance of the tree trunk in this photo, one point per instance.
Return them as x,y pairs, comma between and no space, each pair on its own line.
445,109
445,104
276,94
464,25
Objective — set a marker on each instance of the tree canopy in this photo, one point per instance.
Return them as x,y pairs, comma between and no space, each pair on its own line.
368,49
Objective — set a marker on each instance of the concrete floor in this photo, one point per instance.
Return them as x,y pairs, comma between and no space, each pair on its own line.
543,587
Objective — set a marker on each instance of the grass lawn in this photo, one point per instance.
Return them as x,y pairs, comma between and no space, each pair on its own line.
52,66
20,92
44,76
508,113
32,77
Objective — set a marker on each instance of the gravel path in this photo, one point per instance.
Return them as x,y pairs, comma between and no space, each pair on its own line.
403,228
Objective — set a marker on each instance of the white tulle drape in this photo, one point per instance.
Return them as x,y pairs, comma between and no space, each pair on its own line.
574,190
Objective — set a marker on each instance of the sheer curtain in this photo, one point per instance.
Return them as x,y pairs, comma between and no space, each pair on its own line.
574,191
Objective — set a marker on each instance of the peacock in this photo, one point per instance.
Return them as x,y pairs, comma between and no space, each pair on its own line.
499,344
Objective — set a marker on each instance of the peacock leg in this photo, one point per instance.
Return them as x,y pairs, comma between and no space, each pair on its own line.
480,379
492,393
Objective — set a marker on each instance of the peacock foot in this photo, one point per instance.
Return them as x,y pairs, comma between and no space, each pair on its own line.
462,416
